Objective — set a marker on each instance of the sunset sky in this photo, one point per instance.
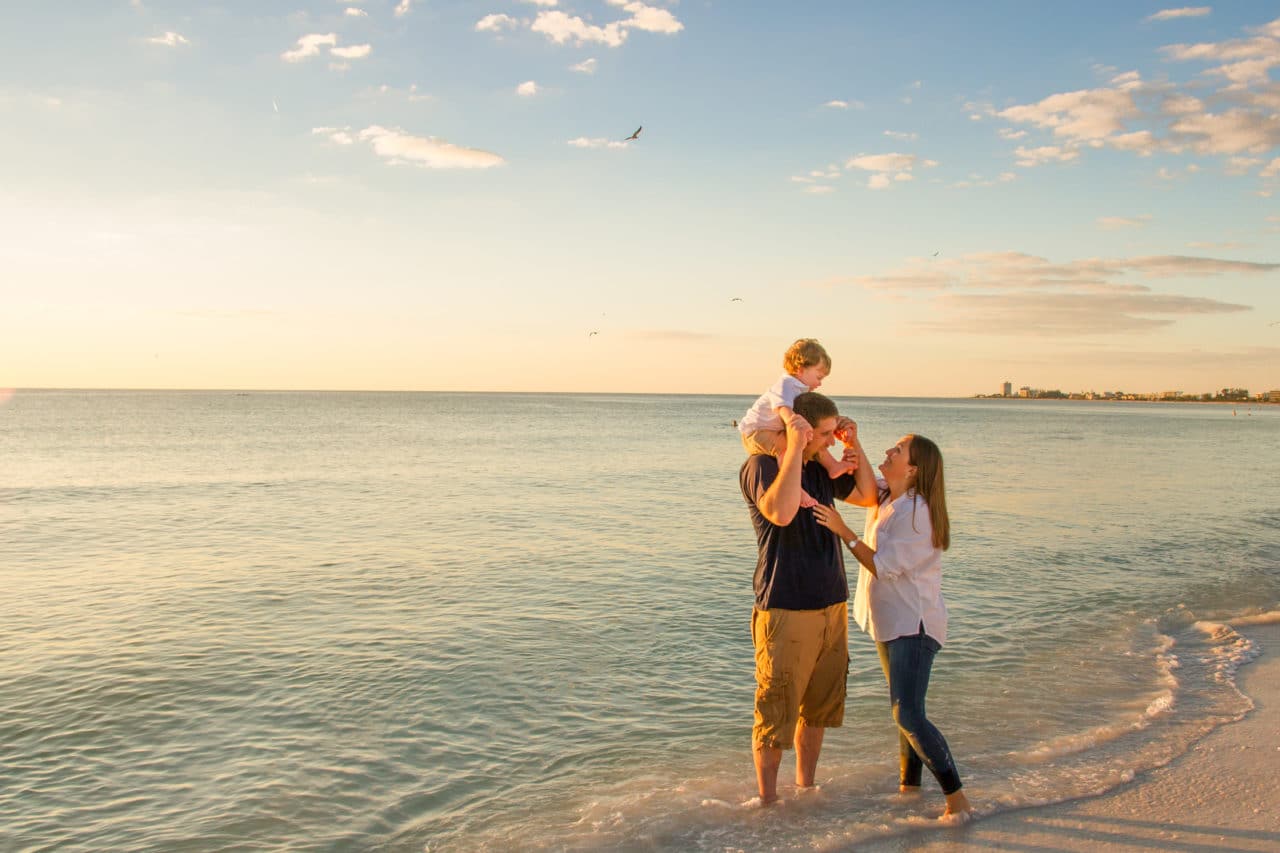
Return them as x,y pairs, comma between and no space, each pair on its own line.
431,195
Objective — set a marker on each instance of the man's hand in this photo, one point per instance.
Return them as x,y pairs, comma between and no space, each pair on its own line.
799,431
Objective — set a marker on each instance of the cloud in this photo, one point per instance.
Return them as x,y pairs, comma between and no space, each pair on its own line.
561,27
1272,169
356,51
908,137
837,105
1113,223
1028,157
882,162
586,66
1012,293
1232,132
400,148
309,46
402,8
1078,116
169,40
819,189
1184,12
352,12
542,2
527,89
337,135
495,23
596,142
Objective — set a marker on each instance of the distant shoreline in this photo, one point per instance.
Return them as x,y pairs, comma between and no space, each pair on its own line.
1182,400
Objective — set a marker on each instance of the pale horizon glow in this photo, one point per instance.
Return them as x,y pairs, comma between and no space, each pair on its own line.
409,196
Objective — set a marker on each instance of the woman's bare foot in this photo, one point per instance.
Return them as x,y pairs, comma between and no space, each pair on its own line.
958,810
908,789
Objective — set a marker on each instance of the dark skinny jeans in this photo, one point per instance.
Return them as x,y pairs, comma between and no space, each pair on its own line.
906,662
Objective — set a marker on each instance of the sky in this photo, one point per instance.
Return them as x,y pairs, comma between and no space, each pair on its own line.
431,195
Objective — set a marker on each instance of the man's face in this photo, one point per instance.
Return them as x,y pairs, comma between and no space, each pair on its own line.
824,435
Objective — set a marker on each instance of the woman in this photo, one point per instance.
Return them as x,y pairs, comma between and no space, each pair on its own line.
899,601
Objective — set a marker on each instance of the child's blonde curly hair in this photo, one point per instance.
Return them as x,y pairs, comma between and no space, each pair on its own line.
805,352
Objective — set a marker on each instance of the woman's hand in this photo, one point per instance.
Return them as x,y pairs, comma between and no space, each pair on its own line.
830,519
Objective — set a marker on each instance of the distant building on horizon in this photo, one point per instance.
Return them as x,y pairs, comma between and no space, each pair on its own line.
1006,389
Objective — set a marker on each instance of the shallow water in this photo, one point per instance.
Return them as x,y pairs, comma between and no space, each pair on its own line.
446,621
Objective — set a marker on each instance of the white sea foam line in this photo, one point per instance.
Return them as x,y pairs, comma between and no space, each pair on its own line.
1161,702
1268,618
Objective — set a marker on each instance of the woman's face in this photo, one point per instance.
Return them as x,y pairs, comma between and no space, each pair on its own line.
897,466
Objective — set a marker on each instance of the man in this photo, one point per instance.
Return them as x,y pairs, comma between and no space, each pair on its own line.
799,626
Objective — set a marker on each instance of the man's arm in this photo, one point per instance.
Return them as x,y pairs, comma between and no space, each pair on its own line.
781,501
864,490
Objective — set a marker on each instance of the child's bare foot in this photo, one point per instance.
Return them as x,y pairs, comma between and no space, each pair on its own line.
807,500
839,468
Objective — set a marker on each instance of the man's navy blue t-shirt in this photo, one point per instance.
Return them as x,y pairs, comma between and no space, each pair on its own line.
801,566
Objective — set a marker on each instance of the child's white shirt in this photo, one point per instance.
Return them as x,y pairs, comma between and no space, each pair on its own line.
761,415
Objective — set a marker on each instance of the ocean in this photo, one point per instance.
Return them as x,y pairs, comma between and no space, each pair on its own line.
411,622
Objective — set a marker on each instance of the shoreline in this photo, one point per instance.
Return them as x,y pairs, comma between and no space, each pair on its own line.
1222,793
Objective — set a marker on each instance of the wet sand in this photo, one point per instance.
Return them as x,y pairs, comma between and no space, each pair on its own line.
1222,794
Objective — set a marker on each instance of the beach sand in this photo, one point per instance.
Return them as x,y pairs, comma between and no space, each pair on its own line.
1222,794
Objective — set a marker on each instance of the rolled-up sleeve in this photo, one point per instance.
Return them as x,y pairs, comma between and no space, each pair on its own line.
903,547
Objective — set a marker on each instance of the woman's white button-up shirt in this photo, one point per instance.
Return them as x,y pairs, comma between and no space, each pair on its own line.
907,587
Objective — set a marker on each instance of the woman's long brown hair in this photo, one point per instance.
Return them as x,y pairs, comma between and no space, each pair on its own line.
927,459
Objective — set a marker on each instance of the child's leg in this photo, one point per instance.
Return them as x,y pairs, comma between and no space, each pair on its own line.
835,467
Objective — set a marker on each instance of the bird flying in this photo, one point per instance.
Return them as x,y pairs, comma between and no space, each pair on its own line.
589,334
635,135
736,299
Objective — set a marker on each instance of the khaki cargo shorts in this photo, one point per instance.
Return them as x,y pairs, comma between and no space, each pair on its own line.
765,442
802,664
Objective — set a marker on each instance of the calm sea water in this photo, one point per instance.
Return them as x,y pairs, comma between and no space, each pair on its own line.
441,621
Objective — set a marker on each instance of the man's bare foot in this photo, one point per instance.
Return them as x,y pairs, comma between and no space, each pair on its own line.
909,790
760,803
802,790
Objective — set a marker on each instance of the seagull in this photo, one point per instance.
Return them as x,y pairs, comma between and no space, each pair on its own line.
1276,323
935,254
736,299
274,105
636,135
589,334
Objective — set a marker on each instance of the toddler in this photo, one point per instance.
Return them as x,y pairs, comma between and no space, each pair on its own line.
763,427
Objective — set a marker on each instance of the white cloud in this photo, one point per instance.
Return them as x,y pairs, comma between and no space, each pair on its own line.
596,142
561,27
309,46
399,147
402,8
352,12
819,189
1231,132
1082,115
169,40
1272,169
882,162
1113,223
878,182
1014,293
1010,133
337,135
1184,12
1028,157
527,89
495,23
355,51
837,105
895,134
586,66
542,2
